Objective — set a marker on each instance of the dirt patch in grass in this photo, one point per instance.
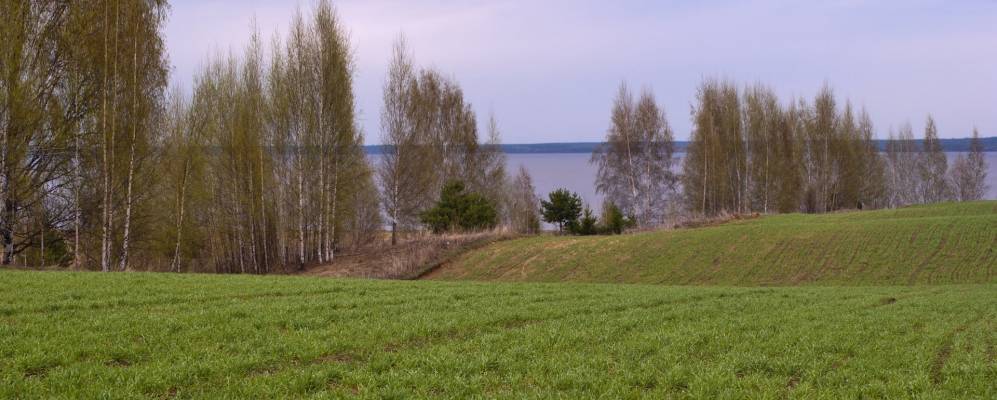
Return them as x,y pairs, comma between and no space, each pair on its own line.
703,222
991,352
411,258
37,372
335,384
171,393
336,358
837,364
887,301
793,381
118,362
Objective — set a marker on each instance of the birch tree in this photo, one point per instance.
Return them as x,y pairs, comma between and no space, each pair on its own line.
969,172
405,173
903,178
634,164
714,171
523,209
932,166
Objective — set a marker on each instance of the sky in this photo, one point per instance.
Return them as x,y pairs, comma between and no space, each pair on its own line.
549,69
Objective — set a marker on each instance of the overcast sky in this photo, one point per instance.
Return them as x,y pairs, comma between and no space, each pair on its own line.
549,69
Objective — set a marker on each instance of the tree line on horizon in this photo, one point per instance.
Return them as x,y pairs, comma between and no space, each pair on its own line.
750,153
261,168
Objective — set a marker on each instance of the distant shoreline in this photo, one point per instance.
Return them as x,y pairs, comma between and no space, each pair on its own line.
948,145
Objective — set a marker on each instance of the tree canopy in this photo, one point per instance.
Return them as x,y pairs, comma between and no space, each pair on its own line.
562,208
460,210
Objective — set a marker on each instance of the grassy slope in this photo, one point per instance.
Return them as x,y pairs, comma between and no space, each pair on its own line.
950,243
90,335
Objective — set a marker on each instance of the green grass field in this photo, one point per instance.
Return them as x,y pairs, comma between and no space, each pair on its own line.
135,335
949,243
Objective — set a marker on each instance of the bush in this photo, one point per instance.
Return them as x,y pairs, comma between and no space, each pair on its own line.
458,210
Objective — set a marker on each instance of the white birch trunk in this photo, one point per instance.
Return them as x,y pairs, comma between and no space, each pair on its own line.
263,218
175,264
126,238
301,211
332,215
105,259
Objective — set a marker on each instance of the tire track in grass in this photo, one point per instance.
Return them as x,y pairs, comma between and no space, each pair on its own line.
894,299
858,248
954,270
614,316
991,352
363,355
990,255
945,351
824,258
117,304
628,333
805,257
199,300
942,242
771,257
455,334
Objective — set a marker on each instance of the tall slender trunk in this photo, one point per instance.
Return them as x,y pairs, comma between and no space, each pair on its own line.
282,216
108,214
649,149
826,175
703,181
320,249
766,205
41,228
631,175
103,147
237,202
126,237
395,195
301,211
175,264
6,221
332,215
263,218
77,212
253,240
8,228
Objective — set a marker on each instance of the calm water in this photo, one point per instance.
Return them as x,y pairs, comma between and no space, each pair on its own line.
573,172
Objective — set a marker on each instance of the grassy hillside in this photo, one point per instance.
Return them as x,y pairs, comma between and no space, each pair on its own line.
90,335
949,243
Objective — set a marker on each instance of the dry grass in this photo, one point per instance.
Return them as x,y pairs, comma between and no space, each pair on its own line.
411,258
701,222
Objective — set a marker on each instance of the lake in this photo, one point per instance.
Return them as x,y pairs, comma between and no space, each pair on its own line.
573,171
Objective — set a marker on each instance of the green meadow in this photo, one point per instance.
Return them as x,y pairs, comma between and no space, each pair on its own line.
884,304
136,335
